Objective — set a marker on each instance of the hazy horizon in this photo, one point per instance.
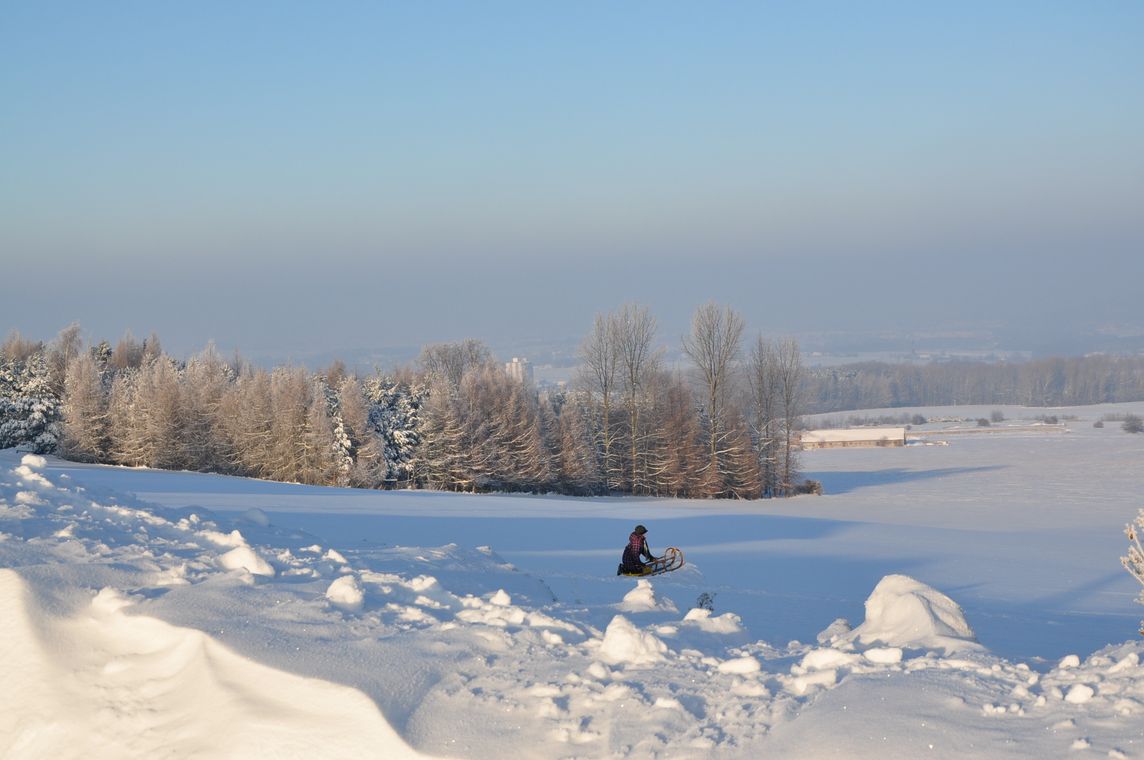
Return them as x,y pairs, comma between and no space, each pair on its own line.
287,178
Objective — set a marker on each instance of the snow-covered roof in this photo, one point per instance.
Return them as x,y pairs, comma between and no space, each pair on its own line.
850,435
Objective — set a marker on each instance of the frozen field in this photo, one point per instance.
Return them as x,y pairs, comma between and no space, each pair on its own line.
202,616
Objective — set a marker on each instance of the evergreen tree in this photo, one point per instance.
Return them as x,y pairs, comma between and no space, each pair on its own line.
30,412
396,420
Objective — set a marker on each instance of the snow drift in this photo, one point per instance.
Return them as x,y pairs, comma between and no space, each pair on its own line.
107,684
903,612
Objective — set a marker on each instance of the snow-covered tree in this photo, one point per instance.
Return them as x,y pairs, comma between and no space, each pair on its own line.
599,376
713,346
61,353
325,457
206,379
159,417
362,447
396,418
86,390
1134,561
678,460
30,413
247,421
577,466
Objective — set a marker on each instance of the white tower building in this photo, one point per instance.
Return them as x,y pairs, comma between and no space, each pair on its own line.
519,369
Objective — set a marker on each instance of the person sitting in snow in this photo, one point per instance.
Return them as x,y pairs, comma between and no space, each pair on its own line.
637,547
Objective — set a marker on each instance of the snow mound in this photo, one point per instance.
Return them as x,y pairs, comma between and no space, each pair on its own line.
740,666
836,631
827,659
903,612
624,644
642,598
346,593
106,684
34,461
244,558
728,622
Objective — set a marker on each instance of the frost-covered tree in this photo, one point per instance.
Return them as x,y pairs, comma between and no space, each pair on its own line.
291,392
599,375
396,419
765,416
791,380
61,353
206,380
450,361
324,459
159,417
362,446
16,349
635,332
247,423
1134,561
444,458
678,459
713,347
85,424
128,353
577,467
30,413
124,425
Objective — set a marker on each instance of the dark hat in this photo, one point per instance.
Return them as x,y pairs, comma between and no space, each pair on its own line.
640,529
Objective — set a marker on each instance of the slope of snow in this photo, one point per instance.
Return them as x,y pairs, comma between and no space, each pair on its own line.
229,618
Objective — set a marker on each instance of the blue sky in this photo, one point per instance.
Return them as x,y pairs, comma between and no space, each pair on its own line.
352,174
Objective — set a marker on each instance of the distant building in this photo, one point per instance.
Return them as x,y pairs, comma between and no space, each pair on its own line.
853,438
519,369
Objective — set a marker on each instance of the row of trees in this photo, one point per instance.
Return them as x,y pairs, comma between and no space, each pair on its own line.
1076,381
722,427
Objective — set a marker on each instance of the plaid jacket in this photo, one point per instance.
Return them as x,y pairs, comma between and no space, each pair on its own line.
637,545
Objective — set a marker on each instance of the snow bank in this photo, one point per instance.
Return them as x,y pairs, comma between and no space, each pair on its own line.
105,685
728,622
34,461
624,644
346,593
245,558
903,612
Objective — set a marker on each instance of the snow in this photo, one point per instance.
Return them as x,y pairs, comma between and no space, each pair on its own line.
180,614
642,598
901,612
624,644
346,593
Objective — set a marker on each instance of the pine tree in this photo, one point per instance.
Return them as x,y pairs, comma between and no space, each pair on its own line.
30,412
396,421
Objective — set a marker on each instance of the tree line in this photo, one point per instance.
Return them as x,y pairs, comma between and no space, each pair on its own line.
1073,381
724,426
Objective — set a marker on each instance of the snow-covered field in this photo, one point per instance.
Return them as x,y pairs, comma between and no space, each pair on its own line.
167,614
